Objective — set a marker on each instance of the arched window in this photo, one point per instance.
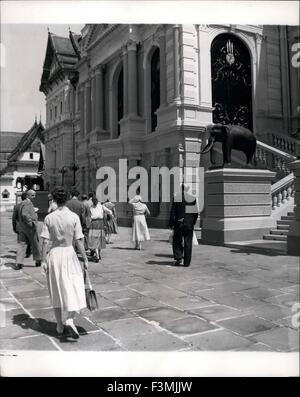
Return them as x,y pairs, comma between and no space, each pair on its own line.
120,99
155,87
231,81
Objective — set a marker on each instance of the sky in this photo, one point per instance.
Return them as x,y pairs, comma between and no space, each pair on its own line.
22,56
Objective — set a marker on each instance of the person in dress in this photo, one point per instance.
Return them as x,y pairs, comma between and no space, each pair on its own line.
96,238
111,226
61,265
140,230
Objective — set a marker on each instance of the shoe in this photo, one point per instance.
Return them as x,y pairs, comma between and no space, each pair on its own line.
186,264
19,266
178,262
38,263
71,329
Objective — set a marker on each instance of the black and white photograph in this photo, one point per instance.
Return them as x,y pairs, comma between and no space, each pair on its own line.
149,189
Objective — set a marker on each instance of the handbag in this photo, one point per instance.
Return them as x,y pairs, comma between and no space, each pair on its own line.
90,294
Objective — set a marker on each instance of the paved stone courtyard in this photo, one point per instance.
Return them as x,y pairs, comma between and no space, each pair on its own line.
229,299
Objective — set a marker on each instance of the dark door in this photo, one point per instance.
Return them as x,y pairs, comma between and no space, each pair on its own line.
231,81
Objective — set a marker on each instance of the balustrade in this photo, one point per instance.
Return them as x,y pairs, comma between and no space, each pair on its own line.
282,191
285,143
273,159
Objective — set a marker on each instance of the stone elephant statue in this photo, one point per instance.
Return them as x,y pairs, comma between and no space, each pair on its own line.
231,137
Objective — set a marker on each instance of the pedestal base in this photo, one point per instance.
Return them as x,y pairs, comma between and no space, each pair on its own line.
237,205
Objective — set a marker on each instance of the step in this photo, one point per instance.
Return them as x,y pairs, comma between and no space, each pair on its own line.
287,218
291,213
279,232
284,226
284,222
274,237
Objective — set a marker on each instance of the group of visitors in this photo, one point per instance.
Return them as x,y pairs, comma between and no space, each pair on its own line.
85,225
98,221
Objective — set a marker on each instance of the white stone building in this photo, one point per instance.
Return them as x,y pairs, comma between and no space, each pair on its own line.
145,93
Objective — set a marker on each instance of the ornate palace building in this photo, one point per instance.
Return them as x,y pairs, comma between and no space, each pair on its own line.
145,93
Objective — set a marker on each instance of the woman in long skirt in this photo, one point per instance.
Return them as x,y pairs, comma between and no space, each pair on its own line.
61,265
110,221
140,230
96,238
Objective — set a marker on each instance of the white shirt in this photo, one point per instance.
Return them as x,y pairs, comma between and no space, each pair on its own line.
98,211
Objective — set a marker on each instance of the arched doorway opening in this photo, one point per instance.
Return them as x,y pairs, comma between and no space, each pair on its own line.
231,81
155,87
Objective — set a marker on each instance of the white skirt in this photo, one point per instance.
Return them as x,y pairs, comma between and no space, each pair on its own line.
140,230
65,279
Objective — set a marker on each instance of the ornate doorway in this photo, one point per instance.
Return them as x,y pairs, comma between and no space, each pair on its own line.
231,81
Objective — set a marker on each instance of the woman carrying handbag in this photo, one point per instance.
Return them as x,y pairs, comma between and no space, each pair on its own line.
61,264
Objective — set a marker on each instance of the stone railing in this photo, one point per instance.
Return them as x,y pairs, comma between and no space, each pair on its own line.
285,143
282,191
273,159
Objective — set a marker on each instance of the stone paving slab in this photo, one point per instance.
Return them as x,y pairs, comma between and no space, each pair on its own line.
287,300
217,312
218,340
94,341
158,341
38,342
247,325
187,302
188,326
281,339
161,314
37,293
122,329
227,297
110,314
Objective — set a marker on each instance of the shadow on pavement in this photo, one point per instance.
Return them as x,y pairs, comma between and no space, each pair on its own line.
164,255
44,327
123,248
10,265
161,263
259,251
9,257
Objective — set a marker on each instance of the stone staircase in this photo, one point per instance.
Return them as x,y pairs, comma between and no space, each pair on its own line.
283,225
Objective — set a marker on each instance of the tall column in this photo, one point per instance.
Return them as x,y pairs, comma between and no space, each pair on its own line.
93,101
81,110
99,95
176,62
125,79
163,69
132,79
87,107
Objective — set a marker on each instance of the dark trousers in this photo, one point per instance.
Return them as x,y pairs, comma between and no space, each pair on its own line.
182,244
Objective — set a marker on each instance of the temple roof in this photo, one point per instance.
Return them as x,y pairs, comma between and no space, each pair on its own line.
27,140
62,53
9,140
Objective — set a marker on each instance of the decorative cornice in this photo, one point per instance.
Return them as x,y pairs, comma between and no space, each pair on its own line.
106,32
131,45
